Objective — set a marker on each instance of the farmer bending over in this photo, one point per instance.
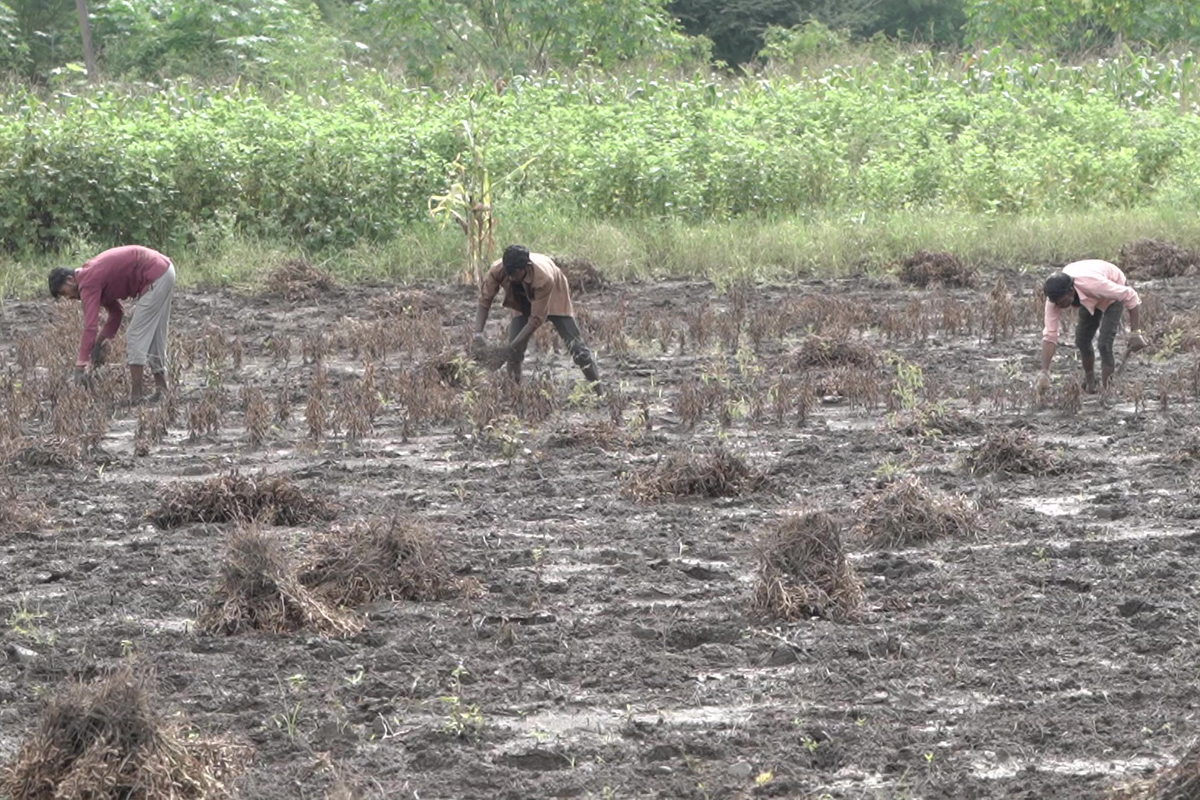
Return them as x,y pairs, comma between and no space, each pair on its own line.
1099,290
119,274
536,290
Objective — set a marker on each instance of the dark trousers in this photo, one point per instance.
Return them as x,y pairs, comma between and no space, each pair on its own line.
567,328
1107,322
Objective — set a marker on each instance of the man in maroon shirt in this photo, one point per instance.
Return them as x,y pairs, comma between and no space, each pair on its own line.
123,273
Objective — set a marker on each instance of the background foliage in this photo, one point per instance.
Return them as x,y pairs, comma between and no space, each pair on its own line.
332,123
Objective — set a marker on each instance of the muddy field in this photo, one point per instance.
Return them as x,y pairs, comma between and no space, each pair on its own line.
1026,627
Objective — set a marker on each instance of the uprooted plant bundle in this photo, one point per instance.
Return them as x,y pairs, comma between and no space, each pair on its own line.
234,497
297,279
934,419
491,356
107,741
714,473
582,275
925,267
1151,258
830,351
803,571
1014,452
393,559
260,590
907,513
18,514
1178,782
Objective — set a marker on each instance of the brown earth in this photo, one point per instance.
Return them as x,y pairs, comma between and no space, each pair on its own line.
605,646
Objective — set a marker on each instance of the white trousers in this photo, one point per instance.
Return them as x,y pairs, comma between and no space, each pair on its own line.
146,341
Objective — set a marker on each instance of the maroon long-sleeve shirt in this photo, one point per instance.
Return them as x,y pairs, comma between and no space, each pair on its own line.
118,274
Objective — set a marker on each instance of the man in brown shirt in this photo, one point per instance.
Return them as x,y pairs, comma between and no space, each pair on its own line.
536,290
123,273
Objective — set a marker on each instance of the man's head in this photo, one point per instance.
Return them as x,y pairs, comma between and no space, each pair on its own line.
62,283
1060,289
516,259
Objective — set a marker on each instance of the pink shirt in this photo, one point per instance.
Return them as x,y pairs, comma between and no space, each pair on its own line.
117,274
1099,284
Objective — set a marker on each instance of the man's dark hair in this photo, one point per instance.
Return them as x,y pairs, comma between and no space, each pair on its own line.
516,257
58,279
1058,286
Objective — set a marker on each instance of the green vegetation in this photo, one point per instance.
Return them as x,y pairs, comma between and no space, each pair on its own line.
241,134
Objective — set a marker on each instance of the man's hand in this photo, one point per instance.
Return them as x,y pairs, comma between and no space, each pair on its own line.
1136,342
81,377
514,354
99,353
1043,383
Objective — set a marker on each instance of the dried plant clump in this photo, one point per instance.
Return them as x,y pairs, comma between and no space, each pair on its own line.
1151,258
491,357
907,513
405,302
1178,782
260,590
17,515
588,434
803,571
234,497
392,559
935,420
1014,452
828,351
925,267
716,473
48,452
583,275
107,741
257,415
297,279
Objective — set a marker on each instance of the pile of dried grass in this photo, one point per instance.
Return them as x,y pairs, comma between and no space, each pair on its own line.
17,515
106,741
925,267
803,571
297,279
588,434
1014,452
907,513
260,589
234,497
48,452
1179,782
1151,258
384,558
582,275
934,420
825,352
716,473
492,356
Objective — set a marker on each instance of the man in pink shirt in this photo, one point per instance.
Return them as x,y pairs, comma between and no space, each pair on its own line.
1099,290
123,273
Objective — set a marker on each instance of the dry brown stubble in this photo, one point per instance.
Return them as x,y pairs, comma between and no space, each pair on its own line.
803,571
379,559
907,513
46,452
1014,452
234,497
583,276
108,741
714,473
259,589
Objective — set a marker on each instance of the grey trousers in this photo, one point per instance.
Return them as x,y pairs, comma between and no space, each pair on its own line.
1108,322
567,328
146,341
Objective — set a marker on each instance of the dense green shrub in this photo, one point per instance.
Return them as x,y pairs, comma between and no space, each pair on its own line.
360,160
